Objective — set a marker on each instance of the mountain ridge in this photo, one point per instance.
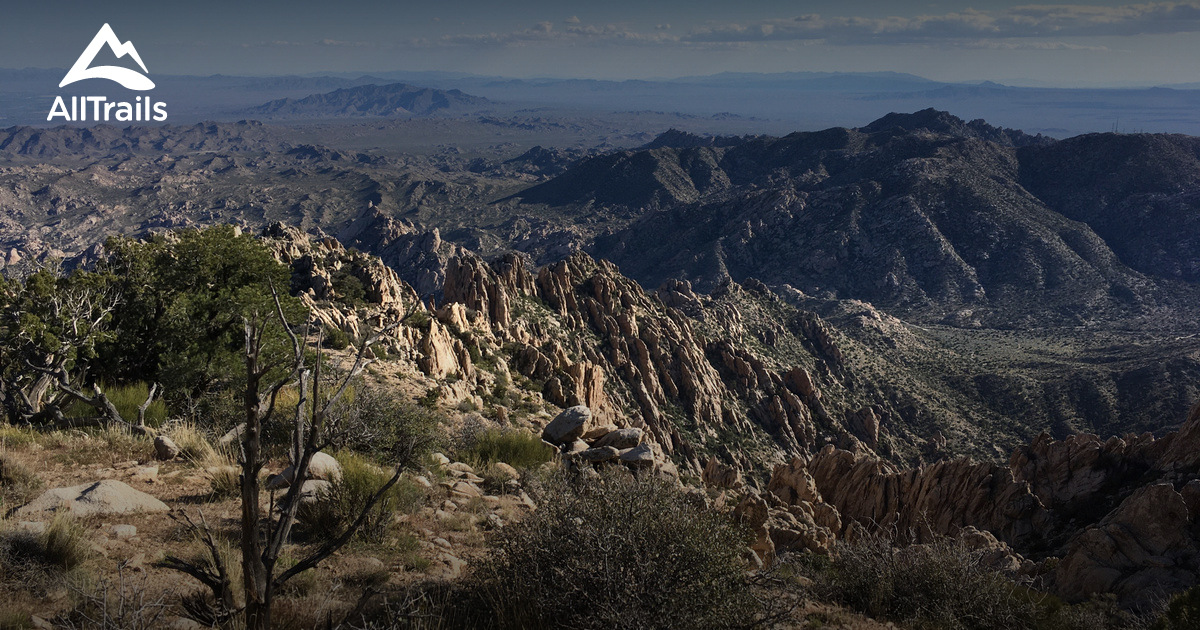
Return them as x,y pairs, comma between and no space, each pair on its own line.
394,99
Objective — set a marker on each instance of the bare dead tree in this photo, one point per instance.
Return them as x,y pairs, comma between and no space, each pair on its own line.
107,412
262,538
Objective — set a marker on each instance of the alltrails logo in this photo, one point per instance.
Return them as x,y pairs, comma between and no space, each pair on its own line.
101,109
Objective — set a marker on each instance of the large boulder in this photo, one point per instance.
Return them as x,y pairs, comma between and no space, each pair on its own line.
323,467
568,426
98,498
599,454
165,448
622,438
640,456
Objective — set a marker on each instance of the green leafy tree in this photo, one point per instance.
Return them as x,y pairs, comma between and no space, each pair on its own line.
185,297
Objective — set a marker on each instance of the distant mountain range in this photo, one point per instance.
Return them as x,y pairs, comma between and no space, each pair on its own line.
774,102
396,99
924,214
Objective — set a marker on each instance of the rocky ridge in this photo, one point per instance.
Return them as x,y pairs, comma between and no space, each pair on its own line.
1083,515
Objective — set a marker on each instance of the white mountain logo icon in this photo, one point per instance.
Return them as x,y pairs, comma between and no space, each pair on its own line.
131,79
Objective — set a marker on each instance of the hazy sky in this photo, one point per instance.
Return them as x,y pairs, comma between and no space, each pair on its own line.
1087,43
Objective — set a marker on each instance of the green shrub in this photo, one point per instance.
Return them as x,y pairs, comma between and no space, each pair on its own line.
337,339
431,397
419,320
519,449
621,552
350,290
329,516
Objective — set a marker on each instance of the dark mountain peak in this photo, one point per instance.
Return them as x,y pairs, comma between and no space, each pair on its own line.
676,139
930,119
942,122
542,161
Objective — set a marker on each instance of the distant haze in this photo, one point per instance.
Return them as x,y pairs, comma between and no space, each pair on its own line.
1092,44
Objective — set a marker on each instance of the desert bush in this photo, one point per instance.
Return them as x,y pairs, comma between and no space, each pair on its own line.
336,338
391,430
17,484
941,584
944,584
519,449
224,482
1183,611
435,605
122,604
329,516
617,551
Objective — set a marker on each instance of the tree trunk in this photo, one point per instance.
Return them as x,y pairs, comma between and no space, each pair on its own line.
254,571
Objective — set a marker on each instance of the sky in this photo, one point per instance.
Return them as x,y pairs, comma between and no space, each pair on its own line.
1084,44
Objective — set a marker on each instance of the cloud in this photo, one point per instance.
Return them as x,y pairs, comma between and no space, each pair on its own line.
545,32
1031,27
1033,21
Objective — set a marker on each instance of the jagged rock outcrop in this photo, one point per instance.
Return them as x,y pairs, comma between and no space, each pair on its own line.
419,256
1122,513
938,499
1065,473
1142,550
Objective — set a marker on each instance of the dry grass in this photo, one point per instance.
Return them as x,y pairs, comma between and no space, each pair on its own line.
193,444
17,483
97,446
